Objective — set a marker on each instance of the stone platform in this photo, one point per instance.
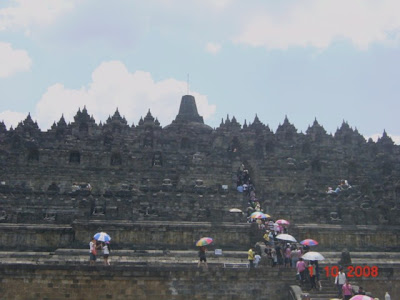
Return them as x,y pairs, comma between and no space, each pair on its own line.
183,235
153,274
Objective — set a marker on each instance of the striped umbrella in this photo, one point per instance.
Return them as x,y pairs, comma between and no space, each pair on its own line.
259,215
309,242
102,237
204,241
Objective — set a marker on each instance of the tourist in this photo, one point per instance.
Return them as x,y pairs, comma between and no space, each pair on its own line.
92,251
318,282
261,225
279,254
360,291
257,259
312,272
271,239
202,257
277,228
301,268
274,257
75,187
106,253
340,280
266,238
288,253
330,190
347,290
250,257
295,255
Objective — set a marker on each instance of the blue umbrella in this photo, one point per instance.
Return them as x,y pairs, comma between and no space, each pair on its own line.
102,237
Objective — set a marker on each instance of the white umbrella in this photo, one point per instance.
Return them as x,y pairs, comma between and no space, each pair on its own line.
312,255
235,210
286,237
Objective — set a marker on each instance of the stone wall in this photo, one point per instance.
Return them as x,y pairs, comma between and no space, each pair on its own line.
35,237
143,282
201,205
166,235
183,235
138,282
355,238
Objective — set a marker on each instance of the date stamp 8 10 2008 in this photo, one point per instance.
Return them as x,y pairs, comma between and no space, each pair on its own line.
353,271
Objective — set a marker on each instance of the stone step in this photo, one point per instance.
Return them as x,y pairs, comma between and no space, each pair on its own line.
358,258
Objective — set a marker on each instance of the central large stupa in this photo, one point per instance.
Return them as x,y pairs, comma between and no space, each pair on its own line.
188,115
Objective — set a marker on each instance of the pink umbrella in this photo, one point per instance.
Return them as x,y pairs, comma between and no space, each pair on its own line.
361,297
283,222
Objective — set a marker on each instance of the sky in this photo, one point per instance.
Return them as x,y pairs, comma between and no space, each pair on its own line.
331,60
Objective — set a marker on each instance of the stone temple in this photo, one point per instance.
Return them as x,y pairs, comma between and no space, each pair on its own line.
157,190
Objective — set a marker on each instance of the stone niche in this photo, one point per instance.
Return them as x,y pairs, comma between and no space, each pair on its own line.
167,185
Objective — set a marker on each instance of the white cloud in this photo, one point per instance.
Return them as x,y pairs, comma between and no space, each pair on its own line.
12,118
318,23
24,13
13,60
217,4
213,48
376,136
114,86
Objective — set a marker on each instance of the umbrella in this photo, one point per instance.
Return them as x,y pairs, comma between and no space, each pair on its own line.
286,237
361,297
313,256
258,215
102,237
309,242
204,241
283,222
235,210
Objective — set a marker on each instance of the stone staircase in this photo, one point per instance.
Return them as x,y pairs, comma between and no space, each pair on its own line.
328,290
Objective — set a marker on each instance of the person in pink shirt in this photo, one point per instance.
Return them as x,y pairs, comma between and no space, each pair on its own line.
347,290
301,267
288,253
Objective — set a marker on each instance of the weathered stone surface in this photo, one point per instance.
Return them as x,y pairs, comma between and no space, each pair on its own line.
146,282
84,172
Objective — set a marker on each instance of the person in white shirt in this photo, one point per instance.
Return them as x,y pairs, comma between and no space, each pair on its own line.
340,280
106,253
257,259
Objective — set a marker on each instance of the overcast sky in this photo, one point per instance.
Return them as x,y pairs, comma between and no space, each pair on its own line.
332,60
